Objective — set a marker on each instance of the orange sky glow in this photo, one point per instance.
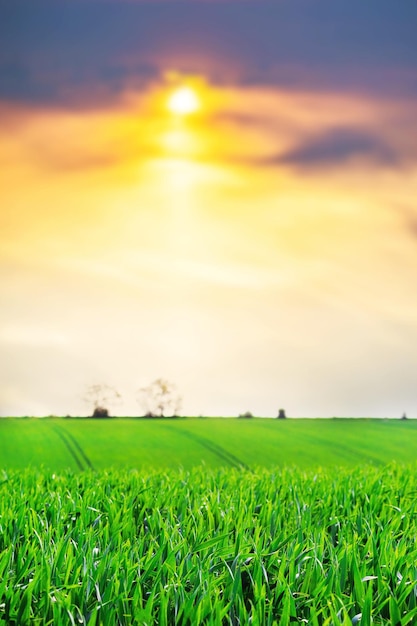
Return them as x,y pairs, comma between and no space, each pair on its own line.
140,243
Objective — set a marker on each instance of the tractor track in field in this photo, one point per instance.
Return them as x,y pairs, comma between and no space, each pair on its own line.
220,452
74,448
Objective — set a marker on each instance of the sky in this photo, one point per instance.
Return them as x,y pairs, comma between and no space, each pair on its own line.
259,252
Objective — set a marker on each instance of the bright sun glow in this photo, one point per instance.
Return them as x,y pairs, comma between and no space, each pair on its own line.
184,101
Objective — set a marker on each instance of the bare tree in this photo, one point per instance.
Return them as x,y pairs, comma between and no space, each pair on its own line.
159,399
102,397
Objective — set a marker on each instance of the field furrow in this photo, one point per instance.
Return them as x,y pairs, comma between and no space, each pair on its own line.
188,442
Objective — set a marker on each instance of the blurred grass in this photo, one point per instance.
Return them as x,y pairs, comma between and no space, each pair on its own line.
187,443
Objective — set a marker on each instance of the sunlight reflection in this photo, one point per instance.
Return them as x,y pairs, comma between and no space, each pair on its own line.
180,142
182,174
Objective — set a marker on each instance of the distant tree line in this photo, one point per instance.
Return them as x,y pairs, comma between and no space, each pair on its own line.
159,399
248,415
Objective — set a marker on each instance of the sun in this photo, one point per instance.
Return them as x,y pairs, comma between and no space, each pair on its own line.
184,101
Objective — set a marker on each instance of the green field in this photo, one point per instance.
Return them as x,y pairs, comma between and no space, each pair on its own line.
224,547
218,522
146,443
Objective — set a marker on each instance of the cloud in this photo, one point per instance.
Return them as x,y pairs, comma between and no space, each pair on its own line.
79,52
51,82
336,147
412,224
408,214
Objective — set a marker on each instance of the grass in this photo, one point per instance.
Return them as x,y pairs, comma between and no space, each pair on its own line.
214,547
163,444
216,522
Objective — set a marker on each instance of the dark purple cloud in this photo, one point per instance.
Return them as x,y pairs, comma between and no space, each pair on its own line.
336,147
60,52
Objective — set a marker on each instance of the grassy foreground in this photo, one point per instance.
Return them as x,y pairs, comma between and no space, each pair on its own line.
221,547
162,444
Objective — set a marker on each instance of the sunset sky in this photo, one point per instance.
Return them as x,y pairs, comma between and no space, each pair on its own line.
222,194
